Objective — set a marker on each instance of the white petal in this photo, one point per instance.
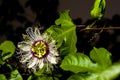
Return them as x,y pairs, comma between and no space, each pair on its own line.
40,63
45,37
32,62
51,59
38,38
37,34
24,46
52,43
54,52
24,43
25,57
30,32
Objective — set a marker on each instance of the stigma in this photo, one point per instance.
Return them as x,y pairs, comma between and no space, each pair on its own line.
39,49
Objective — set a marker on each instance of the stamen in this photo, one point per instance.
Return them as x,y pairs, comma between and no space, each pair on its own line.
39,49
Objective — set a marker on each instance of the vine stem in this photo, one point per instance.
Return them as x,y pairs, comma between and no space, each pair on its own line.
104,28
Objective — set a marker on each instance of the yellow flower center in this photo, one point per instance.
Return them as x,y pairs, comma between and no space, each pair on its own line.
39,49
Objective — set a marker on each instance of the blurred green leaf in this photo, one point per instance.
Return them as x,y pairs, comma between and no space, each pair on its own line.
30,77
108,74
78,63
15,75
2,77
1,62
9,66
43,74
7,48
42,77
98,9
64,32
88,76
40,71
101,56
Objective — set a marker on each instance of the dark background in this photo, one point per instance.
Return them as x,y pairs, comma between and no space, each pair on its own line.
81,8
17,15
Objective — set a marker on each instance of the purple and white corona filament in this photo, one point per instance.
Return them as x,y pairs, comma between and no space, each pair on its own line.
37,50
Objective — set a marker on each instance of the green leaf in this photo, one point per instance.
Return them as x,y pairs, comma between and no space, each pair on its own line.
88,76
15,75
8,49
40,71
64,32
55,32
9,66
98,9
108,74
1,62
65,19
78,63
30,77
2,77
43,74
42,77
101,56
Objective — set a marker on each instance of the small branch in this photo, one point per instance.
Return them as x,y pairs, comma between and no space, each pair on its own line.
90,29
108,28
